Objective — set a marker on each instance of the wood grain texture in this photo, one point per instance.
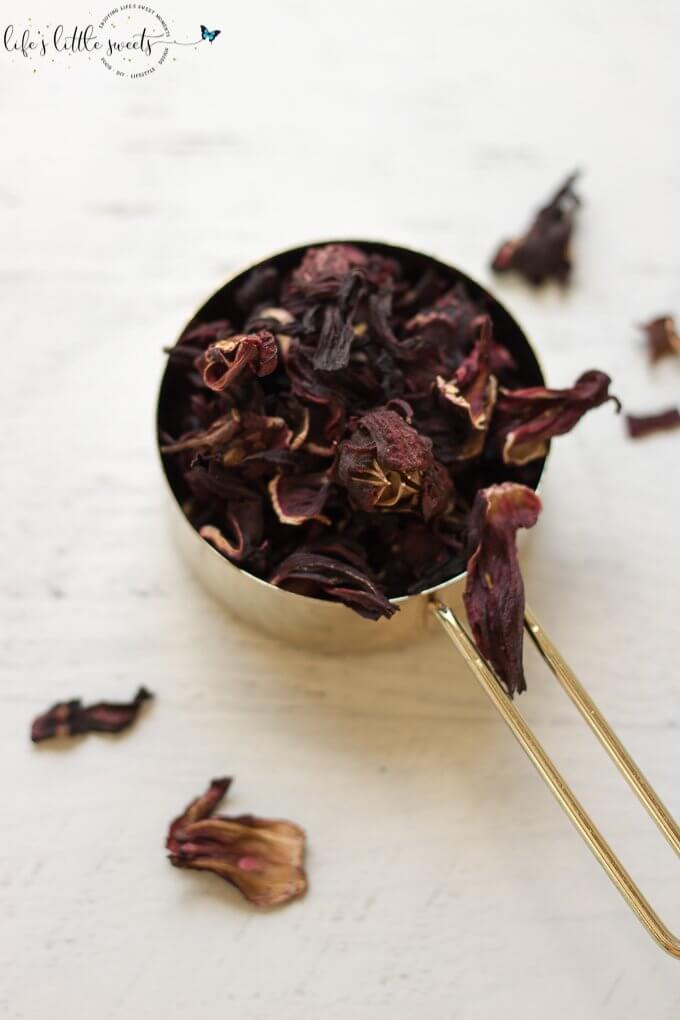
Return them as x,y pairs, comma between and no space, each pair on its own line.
444,881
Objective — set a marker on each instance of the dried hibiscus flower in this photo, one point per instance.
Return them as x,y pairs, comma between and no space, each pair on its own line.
71,718
662,337
330,429
261,857
640,425
224,360
526,420
494,590
543,252
384,464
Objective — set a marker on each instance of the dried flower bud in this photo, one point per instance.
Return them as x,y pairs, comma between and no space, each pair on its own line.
494,590
382,462
262,858
225,360
543,252
71,718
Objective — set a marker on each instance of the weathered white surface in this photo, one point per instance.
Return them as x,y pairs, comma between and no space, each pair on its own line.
444,880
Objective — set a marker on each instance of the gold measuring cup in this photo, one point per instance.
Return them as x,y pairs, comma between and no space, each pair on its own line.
333,628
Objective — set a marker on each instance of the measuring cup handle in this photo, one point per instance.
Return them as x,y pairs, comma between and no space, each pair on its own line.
551,775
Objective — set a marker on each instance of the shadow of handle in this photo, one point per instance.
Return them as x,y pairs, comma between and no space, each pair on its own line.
551,775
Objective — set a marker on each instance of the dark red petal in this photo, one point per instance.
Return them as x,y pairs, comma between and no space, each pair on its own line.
225,360
470,395
206,332
218,435
311,573
70,718
322,269
640,425
525,420
242,535
437,491
300,498
337,332
543,252
397,445
494,590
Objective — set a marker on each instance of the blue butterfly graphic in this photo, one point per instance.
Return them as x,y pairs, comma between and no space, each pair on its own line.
209,34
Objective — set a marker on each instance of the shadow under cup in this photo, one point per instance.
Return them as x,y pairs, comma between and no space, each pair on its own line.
298,619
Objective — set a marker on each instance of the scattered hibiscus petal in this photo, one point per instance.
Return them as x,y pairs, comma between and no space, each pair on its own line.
662,337
71,718
494,590
640,425
262,858
543,252
526,420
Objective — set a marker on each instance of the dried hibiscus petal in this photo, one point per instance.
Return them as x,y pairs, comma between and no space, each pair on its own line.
322,270
218,435
640,425
308,572
337,332
262,858
71,718
300,498
244,538
225,360
258,436
543,252
471,394
494,590
662,337
526,420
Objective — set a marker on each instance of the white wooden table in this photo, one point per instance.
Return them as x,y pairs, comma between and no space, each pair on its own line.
444,880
